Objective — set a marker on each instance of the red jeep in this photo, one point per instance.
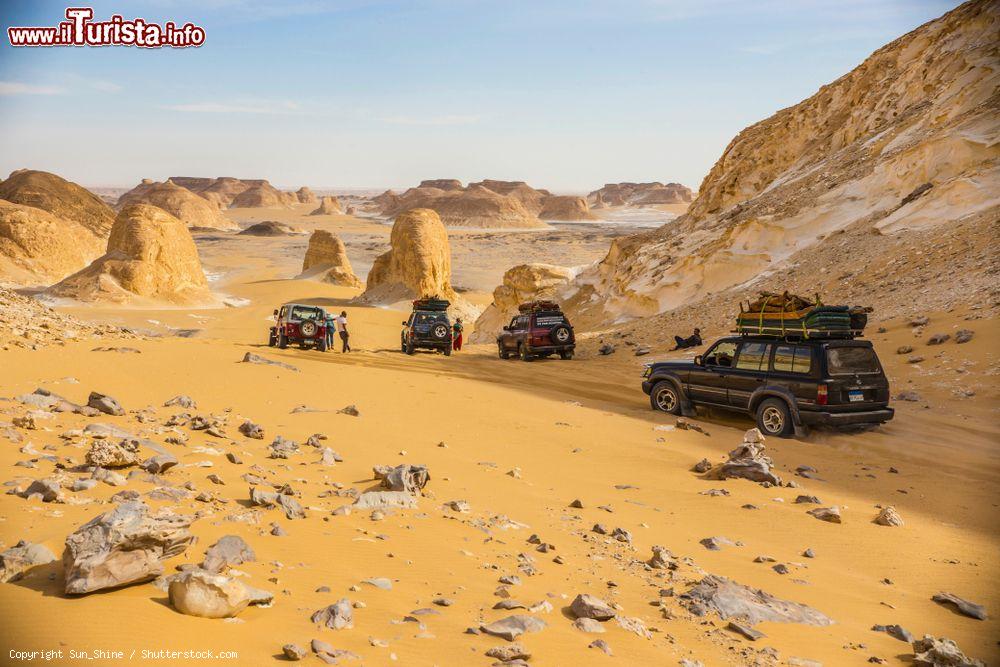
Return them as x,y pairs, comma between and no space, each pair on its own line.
309,326
539,330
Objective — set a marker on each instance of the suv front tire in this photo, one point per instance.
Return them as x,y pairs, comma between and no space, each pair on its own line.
664,397
774,418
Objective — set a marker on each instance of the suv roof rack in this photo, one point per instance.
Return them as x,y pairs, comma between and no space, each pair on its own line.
798,334
431,303
539,306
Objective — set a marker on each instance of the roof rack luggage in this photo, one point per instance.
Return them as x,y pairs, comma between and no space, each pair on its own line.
538,306
431,303
793,317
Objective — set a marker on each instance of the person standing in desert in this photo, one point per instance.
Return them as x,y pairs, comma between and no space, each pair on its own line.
345,336
456,334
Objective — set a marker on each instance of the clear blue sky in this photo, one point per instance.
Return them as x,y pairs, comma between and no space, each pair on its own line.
359,93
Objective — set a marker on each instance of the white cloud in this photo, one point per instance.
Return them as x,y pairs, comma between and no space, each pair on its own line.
18,88
432,120
106,86
238,107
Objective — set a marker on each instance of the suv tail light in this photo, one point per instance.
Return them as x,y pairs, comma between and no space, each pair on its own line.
821,394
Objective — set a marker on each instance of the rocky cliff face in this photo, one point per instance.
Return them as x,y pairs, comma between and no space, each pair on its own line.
488,203
526,282
418,263
263,195
179,202
326,259
565,207
639,194
38,248
150,256
905,142
60,197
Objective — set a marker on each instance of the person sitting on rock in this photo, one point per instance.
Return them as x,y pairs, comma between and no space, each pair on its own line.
694,340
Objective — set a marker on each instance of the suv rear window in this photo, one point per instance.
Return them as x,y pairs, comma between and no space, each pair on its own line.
753,356
851,360
792,358
305,313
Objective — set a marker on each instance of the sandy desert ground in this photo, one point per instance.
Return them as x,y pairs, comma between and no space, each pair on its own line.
519,443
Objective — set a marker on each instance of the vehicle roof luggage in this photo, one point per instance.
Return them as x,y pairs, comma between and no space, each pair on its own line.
431,303
792,316
539,306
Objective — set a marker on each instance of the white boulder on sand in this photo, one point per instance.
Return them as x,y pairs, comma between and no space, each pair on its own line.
525,282
326,259
150,255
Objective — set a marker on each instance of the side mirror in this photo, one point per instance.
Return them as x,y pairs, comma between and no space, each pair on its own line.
404,323
699,361
506,328
275,312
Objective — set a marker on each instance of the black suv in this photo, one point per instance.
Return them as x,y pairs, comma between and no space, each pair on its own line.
786,385
428,327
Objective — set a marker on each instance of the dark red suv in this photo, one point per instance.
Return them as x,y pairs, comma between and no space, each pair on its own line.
540,329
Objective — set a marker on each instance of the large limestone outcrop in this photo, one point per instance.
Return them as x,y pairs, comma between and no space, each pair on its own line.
328,206
326,258
150,255
183,204
263,195
60,197
640,194
488,203
37,248
565,207
904,144
418,263
526,282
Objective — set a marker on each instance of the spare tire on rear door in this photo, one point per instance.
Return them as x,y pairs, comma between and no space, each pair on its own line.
561,335
440,331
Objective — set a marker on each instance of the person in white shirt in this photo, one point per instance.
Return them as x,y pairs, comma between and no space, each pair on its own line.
342,330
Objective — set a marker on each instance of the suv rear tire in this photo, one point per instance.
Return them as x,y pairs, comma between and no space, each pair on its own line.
522,352
774,418
664,397
502,351
282,340
447,351
565,355
321,345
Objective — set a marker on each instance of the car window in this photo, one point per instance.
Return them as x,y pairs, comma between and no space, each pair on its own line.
300,313
851,360
721,355
513,323
522,322
793,358
753,356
